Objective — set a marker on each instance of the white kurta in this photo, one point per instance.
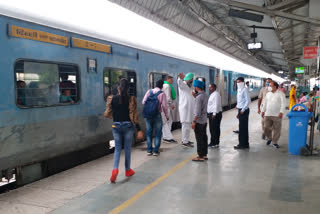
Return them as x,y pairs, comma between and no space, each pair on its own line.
167,124
186,102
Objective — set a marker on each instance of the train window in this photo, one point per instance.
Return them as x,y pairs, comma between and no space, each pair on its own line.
154,77
203,80
40,84
111,78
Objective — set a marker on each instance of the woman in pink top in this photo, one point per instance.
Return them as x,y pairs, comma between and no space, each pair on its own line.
303,99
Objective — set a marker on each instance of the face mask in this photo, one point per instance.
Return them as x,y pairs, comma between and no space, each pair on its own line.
269,88
240,85
267,84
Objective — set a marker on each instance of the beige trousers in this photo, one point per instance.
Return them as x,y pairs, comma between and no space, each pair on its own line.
166,127
272,128
262,125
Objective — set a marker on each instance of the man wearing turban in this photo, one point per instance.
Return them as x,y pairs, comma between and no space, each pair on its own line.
186,106
199,124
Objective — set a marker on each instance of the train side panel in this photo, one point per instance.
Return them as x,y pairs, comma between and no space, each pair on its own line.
30,135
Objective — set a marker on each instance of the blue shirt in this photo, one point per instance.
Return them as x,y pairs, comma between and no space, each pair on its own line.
243,99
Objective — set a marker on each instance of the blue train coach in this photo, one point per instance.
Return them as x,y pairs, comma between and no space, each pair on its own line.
54,83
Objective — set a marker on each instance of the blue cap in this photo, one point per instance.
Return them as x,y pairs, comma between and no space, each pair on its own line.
198,84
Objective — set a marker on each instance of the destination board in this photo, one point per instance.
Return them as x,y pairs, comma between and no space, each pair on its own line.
38,35
80,43
310,52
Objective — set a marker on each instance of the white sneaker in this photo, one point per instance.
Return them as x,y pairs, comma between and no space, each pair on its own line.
276,146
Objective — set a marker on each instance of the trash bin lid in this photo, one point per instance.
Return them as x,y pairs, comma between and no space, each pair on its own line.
299,113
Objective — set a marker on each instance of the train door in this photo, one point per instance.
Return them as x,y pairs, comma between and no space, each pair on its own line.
230,85
224,88
131,76
111,78
154,77
212,74
217,78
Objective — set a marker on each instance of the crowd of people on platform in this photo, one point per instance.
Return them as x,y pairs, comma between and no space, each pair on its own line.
309,99
196,108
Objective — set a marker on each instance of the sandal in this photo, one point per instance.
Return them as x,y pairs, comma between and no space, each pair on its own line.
197,159
205,157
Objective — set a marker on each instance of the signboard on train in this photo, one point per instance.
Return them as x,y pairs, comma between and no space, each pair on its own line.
310,52
81,43
37,35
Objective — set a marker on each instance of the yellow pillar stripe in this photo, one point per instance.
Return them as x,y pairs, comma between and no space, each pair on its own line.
137,196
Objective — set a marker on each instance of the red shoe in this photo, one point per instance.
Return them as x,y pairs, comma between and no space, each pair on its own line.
114,175
129,172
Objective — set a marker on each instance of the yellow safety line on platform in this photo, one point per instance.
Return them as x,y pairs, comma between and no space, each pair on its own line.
136,197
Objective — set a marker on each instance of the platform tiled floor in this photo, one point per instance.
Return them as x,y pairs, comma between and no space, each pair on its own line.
261,180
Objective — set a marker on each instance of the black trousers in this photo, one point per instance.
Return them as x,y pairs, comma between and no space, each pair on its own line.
214,126
202,139
243,128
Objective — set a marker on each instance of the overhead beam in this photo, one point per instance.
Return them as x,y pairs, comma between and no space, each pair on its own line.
275,24
271,51
201,29
167,4
301,34
291,26
205,16
295,56
270,56
276,65
278,58
294,62
295,7
201,15
210,20
299,42
173,16
284,4
268,12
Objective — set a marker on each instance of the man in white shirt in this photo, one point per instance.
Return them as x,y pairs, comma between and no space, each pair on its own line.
215,115
171,96
272,112
186,106
262,95
243,101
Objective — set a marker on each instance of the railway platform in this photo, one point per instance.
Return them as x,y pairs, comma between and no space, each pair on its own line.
258,181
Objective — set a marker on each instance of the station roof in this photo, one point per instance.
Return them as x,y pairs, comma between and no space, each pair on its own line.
285,27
